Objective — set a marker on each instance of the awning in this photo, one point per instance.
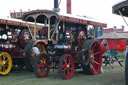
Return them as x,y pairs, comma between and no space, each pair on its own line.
122,7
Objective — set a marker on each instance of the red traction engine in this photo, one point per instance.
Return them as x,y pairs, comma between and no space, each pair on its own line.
66,44
12,43
14,36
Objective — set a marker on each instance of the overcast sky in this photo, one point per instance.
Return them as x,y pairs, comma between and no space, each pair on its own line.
98,9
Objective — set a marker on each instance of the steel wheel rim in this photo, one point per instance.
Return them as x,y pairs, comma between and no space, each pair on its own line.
42,67
95,60
5,63
67,67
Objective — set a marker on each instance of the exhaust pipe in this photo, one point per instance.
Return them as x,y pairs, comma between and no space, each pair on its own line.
56,9
55,4
69,6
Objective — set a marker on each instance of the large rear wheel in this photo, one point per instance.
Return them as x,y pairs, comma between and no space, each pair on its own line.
30,53
93,55
41,68
5,63
66,66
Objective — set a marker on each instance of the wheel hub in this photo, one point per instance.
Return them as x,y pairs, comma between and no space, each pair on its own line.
67,66
42,66
2,63
92,57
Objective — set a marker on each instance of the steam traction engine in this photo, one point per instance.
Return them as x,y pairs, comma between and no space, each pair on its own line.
14,35
66,44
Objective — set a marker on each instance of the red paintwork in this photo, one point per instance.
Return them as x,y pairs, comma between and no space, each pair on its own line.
81,21
117,44
113,30
18,23
65,67
69,7
81,37
73,39
96,52
44,69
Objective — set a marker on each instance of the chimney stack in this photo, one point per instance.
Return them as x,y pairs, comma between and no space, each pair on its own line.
56,9
55,3
69,6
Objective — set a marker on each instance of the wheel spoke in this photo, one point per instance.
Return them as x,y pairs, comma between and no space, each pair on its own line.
41,61
6,61
39,47
4,57
6,65
94,45
69,62
91,53
96,53
41,69
0,59
69,71
4,68
92,50
38,69
0,68
64,68
92,67
95,62
65,60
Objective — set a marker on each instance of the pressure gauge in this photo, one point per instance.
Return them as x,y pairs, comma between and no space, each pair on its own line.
4,36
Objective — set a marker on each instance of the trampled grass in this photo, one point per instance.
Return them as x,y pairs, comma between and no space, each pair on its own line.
109,77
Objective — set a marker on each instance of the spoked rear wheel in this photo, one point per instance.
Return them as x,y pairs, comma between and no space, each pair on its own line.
5,63
41,68
30,54
94,55
66,66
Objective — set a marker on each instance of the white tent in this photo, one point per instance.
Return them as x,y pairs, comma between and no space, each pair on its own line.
114,35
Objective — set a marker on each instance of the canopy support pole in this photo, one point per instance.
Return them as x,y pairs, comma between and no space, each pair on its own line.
30,30
123,17
35,30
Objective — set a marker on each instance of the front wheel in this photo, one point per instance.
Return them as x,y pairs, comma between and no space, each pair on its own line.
5,63
41,68
66,66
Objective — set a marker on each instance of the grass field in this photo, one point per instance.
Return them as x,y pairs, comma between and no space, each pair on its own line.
109,77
